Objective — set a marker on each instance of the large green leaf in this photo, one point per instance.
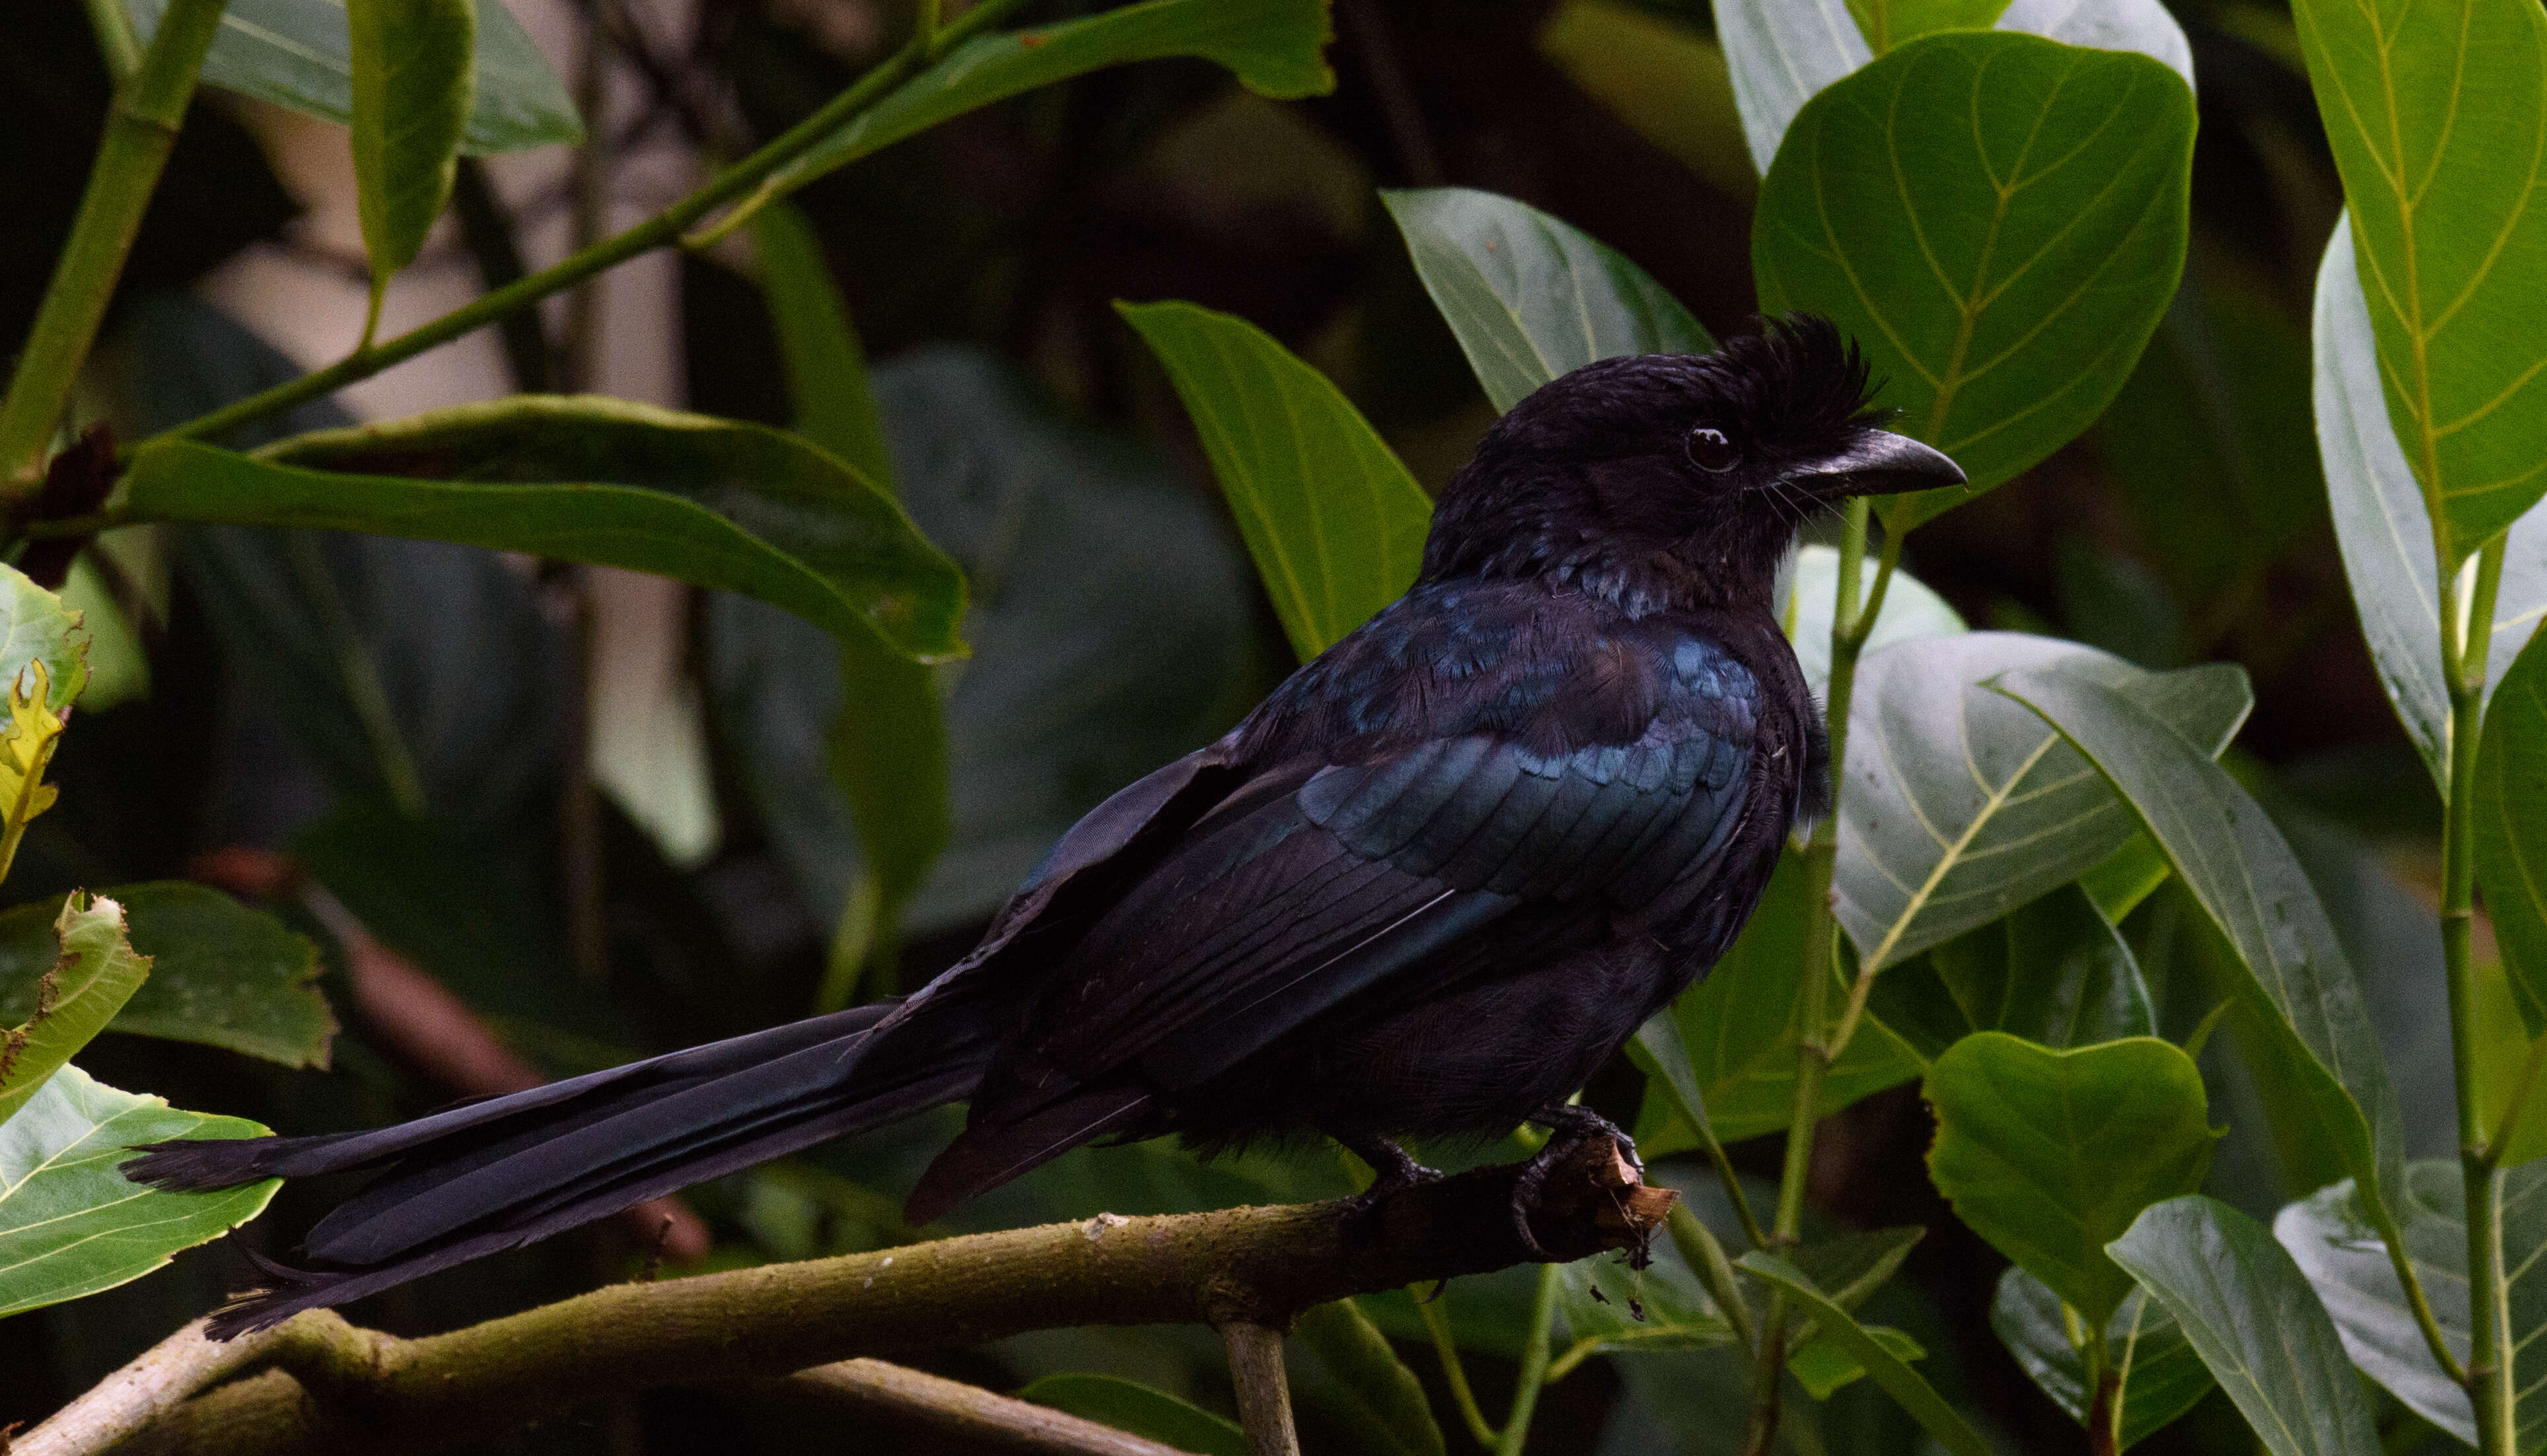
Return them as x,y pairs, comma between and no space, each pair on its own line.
1273,46
2006,298
1112,626
1531,298
1881,1365
91,972
412,79
1959,806
1888,25
586,479
1738,1026
1781,52
2250,1314
888,745
2162,1375
2386,530
220,974
1334,521
2341,1252
70,1222
2053,970
2049,1154
2510,813
1128,1405
299,53
1911,609
2298,984
2438,114
1382,1394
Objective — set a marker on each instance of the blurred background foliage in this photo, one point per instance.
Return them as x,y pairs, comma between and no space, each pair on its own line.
386,739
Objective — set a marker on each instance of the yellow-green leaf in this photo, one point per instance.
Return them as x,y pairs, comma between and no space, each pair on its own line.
95,970
412,81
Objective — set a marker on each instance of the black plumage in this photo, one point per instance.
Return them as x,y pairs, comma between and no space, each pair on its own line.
1427,888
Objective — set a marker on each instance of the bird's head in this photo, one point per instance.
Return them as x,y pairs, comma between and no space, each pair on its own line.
1685,474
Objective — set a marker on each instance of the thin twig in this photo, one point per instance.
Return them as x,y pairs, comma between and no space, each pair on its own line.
1264,1390
951,1409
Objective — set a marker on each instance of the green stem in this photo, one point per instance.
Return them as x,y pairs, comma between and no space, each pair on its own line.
2464,644
656,232
116,44
1851,622
1454,1373
1533,1366
140,129
1697,1244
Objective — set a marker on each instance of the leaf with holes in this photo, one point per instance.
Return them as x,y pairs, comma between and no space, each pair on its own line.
1531,298
2438,114
91,972
2006,298
1334,521
1958,805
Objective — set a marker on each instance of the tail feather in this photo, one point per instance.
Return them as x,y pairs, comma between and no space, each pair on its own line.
505,1172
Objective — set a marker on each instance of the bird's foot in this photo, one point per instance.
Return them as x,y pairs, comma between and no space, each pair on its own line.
1394,1171
1569,1127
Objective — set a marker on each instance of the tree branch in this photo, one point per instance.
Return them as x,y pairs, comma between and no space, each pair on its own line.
1263,1389
952,1409
337,1388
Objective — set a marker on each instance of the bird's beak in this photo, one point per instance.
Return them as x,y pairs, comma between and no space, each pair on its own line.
1877,462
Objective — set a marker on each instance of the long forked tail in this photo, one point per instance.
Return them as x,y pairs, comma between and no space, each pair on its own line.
500,1172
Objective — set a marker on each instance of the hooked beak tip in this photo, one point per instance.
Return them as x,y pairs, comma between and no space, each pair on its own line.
1882,463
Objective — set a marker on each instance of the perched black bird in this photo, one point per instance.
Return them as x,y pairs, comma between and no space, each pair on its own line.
1427,888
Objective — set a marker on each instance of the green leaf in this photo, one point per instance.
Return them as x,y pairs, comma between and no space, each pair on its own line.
2144,25
2510,813
1113,623
1781,52
1959,806
1898,1380
1823,1365
2316,1038
1676,1312
601,481
220,974
1888,25
2335,1246
299,53
2438,114
2247,1311
1335,523
2163,1377
2053,970
1531,298
1128,1405
2049,1154
1739,1026
2006,298
1667,81
1853,1266
826,366
70,1223
412,78
119,667
2126,877
35,626
1382,1391
92,973
1911,610
1273,46
888,745
2386,530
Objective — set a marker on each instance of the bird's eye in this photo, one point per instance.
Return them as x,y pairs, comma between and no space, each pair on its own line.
1711,449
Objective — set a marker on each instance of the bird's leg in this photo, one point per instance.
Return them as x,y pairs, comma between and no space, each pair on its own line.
1393,1168
1568,1125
